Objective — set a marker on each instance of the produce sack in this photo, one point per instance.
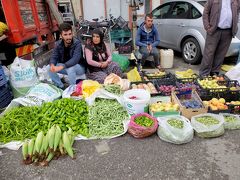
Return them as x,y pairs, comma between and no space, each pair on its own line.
37,95
122,61
115,79
133,75
208,125
140,126
231,121
175,129
23,76
234,73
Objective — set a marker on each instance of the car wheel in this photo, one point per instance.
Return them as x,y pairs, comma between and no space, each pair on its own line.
191,51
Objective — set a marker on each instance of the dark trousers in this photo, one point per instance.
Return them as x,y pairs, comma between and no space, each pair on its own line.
216,47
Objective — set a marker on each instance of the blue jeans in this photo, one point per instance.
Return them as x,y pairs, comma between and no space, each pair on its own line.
145,53
72,73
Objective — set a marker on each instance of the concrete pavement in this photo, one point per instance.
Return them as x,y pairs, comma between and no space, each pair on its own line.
126,158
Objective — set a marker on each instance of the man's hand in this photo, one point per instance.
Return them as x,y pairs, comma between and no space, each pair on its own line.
149,48
56,68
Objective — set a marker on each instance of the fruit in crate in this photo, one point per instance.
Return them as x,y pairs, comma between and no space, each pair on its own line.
219,78
216,104
167,89
237,103
147,86
156,74
191,103
163,106
210,84
185,74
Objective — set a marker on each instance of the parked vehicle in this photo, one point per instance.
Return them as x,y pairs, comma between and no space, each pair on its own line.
31,26
180,26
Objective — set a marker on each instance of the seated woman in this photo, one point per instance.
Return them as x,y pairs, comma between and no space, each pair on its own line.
99,59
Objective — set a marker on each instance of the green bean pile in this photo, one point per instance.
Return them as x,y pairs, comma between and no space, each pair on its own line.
25,122
113,88
106,118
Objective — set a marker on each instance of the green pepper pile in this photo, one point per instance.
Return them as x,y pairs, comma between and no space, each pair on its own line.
144,121
25,122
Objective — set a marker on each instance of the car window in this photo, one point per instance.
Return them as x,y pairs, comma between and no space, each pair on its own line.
161,11
180,11
195,13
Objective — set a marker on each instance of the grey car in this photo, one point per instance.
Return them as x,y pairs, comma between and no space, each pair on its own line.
180,26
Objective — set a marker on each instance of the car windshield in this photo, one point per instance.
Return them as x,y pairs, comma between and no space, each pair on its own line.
202,2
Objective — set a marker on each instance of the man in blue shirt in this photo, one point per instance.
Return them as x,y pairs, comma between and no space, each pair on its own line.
147,39
66,57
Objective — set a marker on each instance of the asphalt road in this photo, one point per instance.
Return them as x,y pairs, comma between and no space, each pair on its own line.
129,158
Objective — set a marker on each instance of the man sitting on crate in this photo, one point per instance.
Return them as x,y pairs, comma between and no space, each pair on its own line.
66,57
147,39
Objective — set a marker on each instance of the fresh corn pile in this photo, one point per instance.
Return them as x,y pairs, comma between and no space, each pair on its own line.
54,144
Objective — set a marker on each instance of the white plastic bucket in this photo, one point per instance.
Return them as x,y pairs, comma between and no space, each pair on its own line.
166,57
138,105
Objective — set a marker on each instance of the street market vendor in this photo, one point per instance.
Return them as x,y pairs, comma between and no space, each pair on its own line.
99,59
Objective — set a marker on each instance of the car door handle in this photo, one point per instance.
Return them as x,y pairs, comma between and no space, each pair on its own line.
181,25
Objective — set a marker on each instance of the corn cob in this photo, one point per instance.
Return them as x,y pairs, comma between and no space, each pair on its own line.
30,147
43,145
49,158
57,137
61,148
51,137
67,144
38,142
25,150
71,136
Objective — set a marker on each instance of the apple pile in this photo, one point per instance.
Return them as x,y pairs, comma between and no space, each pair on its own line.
210,84
216,104
164,106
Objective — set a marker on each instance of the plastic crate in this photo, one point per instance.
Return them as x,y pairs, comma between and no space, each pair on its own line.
3,79
234,109
144,82
167,76
165,82
190,79
214,77
121,23
118,34
5,96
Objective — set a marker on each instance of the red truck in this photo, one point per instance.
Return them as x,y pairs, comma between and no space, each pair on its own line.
31,25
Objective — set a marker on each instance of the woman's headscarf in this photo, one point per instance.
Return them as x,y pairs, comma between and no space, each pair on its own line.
97,48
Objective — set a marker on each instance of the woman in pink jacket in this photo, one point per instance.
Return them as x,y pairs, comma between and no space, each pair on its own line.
99,59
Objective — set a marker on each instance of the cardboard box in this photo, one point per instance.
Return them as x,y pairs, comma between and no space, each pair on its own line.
189,112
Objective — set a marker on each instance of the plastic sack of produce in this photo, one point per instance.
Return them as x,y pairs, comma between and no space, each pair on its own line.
37,95
73,91
142,125
231,121
115,79
208,125
122,61
133,75
175,129
23,76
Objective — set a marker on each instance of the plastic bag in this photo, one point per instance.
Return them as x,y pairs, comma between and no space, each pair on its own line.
234,73
23,76
122,61
43,74
115,79
134,75
234,123
174,135
89,87
37,95
139,131
208,131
